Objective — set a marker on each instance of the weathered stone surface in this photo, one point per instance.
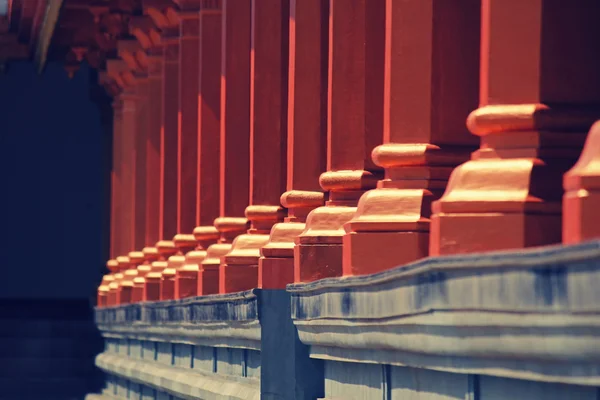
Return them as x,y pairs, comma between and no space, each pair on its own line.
530,315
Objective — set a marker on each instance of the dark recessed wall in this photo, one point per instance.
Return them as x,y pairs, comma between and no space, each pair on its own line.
53,194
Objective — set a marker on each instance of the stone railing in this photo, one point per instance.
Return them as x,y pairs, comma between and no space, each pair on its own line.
208,347
522,325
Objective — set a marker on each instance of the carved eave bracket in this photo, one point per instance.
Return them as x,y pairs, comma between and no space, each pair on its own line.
119,72
164,15
130,51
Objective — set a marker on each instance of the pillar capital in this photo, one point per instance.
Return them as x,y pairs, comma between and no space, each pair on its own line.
166,248
136,258
206,235
195,276
239,267
230,227
184,242
262,218
299,203
151,254
113,266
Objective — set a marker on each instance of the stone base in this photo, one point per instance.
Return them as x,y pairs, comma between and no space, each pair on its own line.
317,261
152,289
124,294
167,288
471,233
371,252
138,294
186,285
275,273
581,216
237,278
208,281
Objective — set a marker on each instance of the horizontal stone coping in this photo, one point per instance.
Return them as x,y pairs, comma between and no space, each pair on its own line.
185,383
244,334
242,306
556,256
533,315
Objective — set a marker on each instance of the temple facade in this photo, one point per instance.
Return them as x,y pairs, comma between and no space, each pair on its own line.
344,199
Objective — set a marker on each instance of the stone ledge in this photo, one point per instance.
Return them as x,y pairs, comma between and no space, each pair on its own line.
532,314
181,382
241,306
229,320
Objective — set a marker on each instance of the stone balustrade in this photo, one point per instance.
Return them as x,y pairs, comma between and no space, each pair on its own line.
479,326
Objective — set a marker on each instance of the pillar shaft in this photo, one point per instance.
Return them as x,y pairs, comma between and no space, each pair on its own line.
354,128
209,116
268,138
306,137
140,154
128,137
169,137
187,159
538,98
235,108
193,278
430,81
153,149
116,219
234,137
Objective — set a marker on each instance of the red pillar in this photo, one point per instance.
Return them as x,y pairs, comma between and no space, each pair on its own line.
209,115
268,137
129,131
355,115
187,159
538,97
116,228
153,147
306,136
431,67
148,56
139,154
169,136
234,135
207,185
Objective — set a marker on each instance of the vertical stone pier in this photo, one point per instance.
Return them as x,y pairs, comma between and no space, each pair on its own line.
354,128
426,101
306,138
268,138
539,96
